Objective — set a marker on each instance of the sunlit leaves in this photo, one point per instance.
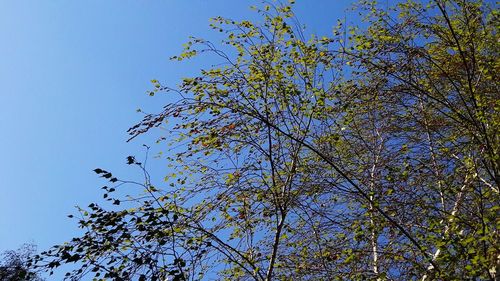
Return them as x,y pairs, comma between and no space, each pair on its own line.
372,154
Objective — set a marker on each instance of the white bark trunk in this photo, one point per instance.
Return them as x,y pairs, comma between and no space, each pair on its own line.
454,211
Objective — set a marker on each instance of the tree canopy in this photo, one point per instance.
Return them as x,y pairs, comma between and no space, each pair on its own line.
15,266
372,154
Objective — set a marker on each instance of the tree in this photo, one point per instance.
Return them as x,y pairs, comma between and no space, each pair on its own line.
373,154
15,266
441,69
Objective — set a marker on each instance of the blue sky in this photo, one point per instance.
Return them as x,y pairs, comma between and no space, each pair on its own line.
72,74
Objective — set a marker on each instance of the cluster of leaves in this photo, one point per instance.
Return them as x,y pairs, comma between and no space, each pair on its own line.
15,265
373,154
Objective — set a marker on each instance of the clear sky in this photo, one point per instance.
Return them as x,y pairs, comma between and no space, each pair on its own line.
72,74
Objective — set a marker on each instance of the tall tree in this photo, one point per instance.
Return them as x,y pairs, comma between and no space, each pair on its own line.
373,154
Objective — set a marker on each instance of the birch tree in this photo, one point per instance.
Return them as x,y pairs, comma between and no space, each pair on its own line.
372,154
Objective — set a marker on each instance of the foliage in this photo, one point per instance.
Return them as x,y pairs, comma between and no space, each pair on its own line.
373,154
15,266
